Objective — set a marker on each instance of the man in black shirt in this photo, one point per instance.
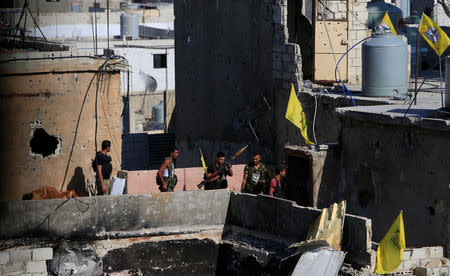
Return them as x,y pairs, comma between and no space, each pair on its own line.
217,173
103,169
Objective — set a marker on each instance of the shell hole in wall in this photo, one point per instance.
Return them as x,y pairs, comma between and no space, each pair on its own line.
44,144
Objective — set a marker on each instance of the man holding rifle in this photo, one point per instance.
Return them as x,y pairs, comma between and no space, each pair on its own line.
216,177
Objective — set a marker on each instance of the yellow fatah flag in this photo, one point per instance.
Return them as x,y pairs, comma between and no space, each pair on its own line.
390,250
296,115
433,34
386,25
203,163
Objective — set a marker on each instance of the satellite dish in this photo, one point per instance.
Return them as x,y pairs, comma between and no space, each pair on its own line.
150,82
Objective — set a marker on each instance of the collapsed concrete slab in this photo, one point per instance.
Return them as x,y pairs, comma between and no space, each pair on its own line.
195,231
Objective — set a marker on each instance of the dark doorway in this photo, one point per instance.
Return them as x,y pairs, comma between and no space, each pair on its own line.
298,180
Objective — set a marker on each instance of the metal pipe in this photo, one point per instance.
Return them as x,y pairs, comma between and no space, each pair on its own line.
165,111
440,78
107,23
95,16
417,67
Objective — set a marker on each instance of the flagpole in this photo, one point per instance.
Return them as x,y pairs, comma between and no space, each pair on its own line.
440,77
417,60
417,66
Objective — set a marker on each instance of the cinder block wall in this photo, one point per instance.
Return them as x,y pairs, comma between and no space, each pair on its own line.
357,30
24,261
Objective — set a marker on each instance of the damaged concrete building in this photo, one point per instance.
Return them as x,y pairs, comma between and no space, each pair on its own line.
201,233
63,108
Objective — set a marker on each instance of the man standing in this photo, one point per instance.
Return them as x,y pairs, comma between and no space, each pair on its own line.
275,183
166,177
254,176
103,169
216,177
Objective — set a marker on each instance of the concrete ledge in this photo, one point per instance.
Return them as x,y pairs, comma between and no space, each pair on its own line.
144,182
96,216
427,271
394,115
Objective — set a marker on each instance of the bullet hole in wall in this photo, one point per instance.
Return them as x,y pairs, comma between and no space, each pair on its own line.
44,144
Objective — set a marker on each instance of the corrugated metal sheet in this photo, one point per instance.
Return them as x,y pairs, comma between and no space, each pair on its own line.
160,146
320,262
150,32
141,151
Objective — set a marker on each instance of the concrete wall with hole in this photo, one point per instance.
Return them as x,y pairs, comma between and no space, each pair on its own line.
39,111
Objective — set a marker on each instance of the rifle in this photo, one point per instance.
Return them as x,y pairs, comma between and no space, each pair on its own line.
221,169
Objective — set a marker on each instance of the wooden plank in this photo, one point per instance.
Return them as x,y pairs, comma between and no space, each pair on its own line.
324,68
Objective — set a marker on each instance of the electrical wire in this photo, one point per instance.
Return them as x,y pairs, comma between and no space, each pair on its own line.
78,123
329,38
26,8
127,99
314,119
76,130
27,235
336,69
109,128
47,58
334,57
107,23
316,100
95,15
76,202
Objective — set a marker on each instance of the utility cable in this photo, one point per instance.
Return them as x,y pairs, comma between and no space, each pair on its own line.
95,22
76,130
35,23
336,69
334,56
46,58
78,123
127,99
314,119
76,201
107,23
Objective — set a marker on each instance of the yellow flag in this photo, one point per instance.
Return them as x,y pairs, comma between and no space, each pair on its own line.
203,163
386,25
296,115
390,250
433,34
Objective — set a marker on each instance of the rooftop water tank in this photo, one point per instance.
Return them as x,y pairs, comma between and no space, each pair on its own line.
405,6
129,25
376,10
158,113
385,66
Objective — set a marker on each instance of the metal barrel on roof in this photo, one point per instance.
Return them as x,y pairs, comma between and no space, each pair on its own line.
129,25
385,66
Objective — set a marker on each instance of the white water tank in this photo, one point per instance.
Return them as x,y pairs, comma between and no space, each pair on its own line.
129,25
385,66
